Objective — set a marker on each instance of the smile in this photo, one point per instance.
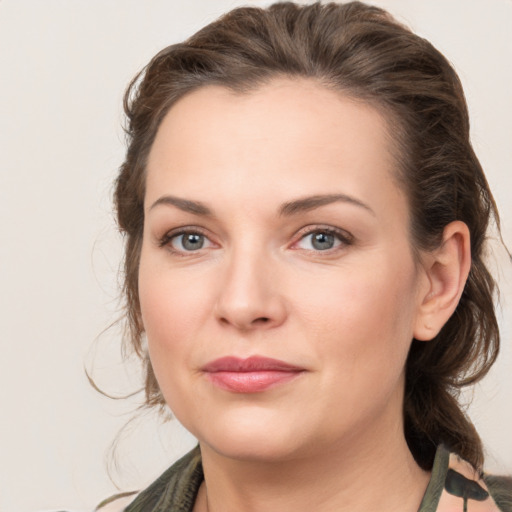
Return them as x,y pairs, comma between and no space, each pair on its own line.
252,375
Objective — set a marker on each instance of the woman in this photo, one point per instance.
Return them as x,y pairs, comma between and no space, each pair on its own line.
305,222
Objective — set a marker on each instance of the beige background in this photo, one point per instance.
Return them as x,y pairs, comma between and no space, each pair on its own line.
63,68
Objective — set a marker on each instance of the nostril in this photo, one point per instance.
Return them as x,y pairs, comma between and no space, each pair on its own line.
256,321
261,320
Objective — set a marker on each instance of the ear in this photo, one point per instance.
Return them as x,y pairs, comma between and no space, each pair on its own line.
446,269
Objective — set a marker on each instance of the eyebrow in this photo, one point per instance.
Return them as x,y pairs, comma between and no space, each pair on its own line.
194,207
311,202
290,208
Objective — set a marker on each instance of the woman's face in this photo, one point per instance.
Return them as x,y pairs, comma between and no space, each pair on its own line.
274,230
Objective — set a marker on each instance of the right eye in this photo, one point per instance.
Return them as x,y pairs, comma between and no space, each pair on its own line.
186,241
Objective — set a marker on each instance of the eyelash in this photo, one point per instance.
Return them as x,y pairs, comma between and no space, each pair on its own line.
345,238
167,238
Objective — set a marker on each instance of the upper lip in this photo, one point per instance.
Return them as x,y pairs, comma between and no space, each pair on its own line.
251,364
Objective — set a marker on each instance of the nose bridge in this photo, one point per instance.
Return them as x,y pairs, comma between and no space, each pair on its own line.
249,295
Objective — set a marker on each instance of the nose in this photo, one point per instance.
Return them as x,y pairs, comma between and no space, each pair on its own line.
250,296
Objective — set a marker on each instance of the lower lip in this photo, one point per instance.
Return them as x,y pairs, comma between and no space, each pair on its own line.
251,382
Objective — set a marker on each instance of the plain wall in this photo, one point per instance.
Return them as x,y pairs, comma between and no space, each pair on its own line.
63,67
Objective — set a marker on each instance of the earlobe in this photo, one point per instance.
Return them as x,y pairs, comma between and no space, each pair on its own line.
447,269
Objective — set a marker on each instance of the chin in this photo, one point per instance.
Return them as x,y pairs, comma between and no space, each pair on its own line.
251,437
251,449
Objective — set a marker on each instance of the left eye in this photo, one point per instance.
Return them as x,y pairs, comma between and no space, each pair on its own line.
189,242
320,240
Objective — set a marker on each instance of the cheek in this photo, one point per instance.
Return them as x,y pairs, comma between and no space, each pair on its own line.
173,301
170,315
366,298
364,319
165,311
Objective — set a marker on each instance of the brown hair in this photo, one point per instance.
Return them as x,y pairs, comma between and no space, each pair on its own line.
362,52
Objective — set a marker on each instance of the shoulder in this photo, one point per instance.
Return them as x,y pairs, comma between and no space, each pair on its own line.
493,490
176,487
456,485
500,488
464,482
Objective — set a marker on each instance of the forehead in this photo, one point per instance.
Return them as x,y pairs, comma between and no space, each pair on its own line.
296,104
295,133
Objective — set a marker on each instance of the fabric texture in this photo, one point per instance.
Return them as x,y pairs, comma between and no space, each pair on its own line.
454,486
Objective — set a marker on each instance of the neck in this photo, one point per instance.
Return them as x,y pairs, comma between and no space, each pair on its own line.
355,476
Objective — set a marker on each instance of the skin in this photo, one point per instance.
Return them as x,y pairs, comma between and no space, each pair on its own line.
259,286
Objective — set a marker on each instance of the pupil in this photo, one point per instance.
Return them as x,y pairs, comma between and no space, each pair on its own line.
323,241
193,241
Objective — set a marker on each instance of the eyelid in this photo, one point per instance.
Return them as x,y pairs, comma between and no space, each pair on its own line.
342,235
166,239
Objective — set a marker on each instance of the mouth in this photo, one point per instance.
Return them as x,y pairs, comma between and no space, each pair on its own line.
252,375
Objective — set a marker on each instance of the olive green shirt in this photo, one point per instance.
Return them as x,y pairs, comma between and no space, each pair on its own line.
454,486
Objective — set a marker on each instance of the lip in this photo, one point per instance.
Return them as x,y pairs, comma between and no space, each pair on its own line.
252,375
